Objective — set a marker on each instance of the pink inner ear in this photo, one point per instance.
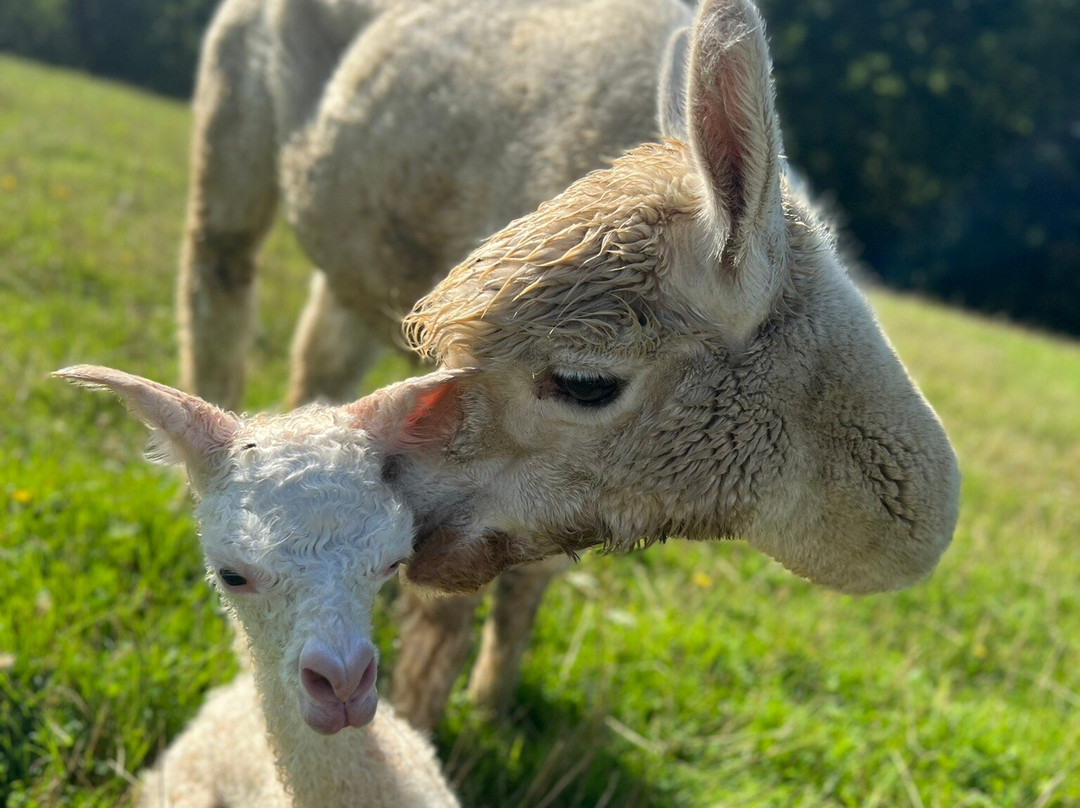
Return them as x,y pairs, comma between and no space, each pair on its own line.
420,413
732,119
433,419
718,136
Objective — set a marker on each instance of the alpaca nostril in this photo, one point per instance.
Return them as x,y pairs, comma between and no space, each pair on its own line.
367,680
331,678
317,685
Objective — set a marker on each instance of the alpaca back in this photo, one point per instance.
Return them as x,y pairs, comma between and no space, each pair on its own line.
222,758
442,121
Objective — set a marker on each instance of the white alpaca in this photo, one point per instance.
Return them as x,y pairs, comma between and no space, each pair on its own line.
672,348
299,531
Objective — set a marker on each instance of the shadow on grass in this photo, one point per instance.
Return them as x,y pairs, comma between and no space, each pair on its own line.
546,754
20,715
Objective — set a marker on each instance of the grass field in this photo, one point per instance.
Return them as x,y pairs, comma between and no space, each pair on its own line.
686,676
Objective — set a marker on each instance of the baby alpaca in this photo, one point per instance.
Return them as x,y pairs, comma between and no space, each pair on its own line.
299,531
224,759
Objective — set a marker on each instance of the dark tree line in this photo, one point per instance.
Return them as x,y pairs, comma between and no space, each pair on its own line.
150,43
948,131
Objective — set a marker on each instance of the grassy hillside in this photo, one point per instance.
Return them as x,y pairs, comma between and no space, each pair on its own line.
683,677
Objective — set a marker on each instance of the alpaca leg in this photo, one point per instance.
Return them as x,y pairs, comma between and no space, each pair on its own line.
331,351
435,637
518,595
230,207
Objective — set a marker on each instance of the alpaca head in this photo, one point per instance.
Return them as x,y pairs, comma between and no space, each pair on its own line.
298,527
672,348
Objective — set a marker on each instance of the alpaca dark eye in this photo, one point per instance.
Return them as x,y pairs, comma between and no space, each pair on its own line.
590,391
232,578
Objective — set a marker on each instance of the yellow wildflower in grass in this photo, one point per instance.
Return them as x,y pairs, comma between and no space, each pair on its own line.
701,579
22,496
9,182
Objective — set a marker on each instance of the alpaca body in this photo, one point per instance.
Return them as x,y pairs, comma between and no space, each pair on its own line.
396,135
222,758
671,347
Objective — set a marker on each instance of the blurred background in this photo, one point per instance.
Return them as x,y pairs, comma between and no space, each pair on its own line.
944,134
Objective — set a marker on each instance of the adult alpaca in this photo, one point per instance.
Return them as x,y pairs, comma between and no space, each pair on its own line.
672,347
396,135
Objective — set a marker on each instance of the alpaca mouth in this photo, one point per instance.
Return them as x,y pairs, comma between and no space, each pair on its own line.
449,560
422,537
330,719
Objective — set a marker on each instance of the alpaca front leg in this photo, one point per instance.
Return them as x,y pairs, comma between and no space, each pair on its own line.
435,637
518,595
231,205
216,309
332,349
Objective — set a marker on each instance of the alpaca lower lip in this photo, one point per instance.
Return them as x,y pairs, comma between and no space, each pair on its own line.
324,719
361,711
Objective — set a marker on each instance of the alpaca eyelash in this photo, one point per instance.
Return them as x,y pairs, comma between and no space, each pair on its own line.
591,391
584,389
232,578
393,567
239,579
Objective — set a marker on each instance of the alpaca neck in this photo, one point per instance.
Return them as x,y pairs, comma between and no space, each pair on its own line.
320,771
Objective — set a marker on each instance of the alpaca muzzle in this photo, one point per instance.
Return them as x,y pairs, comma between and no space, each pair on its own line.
338,687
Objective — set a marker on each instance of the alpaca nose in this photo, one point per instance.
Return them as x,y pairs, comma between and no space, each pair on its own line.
331,676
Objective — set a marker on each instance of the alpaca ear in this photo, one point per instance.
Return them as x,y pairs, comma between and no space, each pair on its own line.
183,428
420,413
671,92
735,139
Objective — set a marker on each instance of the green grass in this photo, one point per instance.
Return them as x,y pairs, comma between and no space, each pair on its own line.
689,675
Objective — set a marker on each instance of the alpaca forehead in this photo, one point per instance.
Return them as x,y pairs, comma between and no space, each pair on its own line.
311,426
583,269
306,518
285,450
305,494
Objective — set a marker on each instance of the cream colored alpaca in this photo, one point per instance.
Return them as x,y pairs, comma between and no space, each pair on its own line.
299,531
397,135
672,348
